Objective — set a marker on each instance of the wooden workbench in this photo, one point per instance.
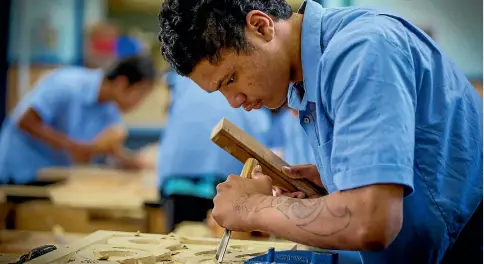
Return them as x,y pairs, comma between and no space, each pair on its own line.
21,242
114,247
86,199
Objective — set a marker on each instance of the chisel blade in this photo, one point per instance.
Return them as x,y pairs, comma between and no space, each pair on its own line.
222,247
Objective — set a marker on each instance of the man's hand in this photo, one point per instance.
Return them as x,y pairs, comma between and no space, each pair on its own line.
82,153
132,162
110,138
232,204
302,171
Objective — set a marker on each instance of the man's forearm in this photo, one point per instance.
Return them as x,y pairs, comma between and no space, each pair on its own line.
50,136
33,125
335,221
308,221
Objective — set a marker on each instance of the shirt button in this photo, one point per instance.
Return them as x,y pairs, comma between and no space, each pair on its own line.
306,120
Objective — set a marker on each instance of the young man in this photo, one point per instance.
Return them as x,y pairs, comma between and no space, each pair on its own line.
190,164
397,128
59,122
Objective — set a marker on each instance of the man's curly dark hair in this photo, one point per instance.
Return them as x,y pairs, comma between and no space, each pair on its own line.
194,30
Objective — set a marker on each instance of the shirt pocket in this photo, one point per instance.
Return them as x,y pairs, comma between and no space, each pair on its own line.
324,165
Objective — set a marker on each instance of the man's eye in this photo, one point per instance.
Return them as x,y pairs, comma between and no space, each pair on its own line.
231,80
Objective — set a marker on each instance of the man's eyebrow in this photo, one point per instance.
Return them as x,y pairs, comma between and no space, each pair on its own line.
219,82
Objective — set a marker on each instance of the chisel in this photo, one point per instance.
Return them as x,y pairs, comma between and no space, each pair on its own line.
246,172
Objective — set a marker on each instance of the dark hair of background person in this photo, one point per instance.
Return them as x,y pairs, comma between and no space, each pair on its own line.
192,31
135,69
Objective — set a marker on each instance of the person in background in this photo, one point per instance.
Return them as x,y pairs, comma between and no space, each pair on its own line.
190,165
276,135
73,115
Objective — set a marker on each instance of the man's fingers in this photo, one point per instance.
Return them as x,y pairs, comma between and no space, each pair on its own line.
256,172
276,191
258,175
299,171
299,195
292,172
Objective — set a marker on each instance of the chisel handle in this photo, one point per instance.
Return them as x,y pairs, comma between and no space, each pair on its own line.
249,166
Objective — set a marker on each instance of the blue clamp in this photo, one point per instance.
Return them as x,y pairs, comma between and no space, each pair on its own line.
294,257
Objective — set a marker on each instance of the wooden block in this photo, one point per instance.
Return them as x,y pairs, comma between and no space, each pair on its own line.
155,220
242,146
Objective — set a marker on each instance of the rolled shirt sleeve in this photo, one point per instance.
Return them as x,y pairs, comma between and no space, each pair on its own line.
373,106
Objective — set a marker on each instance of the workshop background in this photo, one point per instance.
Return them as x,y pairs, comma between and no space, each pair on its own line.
40,35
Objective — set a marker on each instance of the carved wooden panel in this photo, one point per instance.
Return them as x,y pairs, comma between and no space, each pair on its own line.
106,247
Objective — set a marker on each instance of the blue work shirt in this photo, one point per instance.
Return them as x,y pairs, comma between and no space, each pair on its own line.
67,101
383,104
186,150
297,149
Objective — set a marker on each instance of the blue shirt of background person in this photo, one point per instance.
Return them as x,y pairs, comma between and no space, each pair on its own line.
56,123
276,136
186,150
396,125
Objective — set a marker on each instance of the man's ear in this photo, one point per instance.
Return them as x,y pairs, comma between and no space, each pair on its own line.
260,24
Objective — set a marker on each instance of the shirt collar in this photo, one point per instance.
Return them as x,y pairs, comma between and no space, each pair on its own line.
310,56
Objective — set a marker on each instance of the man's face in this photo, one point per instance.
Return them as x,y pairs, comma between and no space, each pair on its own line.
259,78
129,96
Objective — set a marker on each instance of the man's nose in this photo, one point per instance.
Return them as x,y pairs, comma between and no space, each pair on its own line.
235,99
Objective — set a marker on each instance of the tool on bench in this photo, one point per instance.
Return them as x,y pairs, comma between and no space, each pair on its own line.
242,146
224,242
294,257
35,253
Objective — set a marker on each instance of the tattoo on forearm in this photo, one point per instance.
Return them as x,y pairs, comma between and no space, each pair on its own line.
242,206
305,212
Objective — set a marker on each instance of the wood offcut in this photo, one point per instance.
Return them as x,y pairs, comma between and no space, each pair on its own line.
242,146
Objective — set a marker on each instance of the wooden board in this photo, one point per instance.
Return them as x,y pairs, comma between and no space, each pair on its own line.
44,216
41,192
103,247
242,146
102,188
90,199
